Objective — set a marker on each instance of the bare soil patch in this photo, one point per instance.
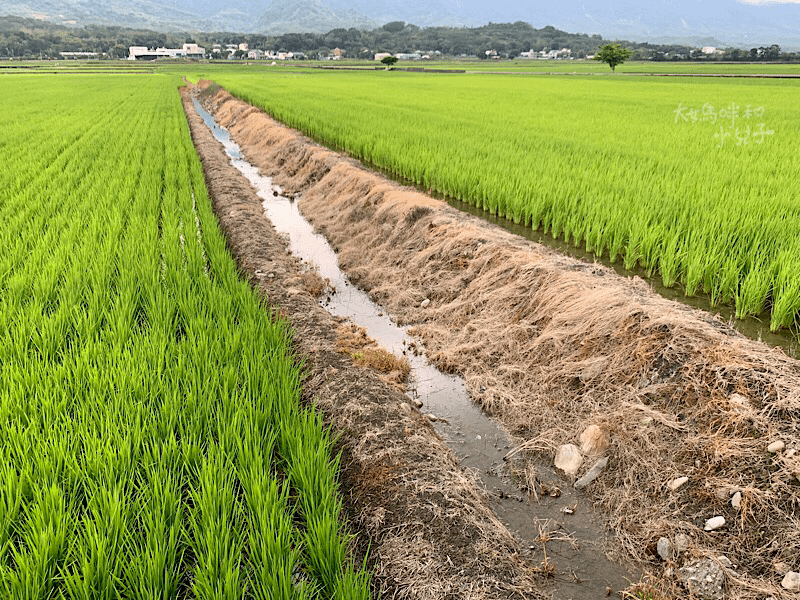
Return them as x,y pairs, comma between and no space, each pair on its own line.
551,345
429,531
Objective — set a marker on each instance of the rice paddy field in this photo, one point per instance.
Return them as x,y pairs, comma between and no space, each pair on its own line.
152,442
693,179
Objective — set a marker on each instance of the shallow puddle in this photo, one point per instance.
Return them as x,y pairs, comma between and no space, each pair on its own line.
559,529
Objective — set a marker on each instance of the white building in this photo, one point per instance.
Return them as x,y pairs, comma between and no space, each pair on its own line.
186,51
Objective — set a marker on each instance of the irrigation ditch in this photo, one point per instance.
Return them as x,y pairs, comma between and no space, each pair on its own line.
685,420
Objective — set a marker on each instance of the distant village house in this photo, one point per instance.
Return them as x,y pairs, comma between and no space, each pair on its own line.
187,51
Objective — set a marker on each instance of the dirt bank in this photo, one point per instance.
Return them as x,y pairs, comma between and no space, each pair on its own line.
552,345
430,532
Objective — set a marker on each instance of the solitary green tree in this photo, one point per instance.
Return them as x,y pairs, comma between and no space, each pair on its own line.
613,54
389,61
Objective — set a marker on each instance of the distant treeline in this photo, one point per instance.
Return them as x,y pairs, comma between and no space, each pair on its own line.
32,38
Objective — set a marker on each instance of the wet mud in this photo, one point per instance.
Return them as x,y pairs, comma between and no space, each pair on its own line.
551,345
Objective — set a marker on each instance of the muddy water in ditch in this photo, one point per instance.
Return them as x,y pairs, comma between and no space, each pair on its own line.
560,528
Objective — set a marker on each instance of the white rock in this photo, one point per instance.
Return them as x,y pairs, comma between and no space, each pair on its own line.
432,417
682,542
568,459
678,483
425,303
791,581
776,447
405,407
736,501
594,440
664,548
714,523
592,473
740,403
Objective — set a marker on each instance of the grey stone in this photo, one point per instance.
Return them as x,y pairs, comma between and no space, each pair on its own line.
592,473
704,578
664,548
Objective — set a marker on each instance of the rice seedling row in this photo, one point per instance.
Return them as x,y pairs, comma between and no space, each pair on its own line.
152,441
608,163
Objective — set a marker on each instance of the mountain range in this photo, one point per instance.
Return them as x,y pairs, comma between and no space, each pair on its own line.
696,22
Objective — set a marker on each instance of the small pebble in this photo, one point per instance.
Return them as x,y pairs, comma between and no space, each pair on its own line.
405,407
425,303
791,581
714,523
736,501
431,417
664,548
776,447
682,542
676,484
416,402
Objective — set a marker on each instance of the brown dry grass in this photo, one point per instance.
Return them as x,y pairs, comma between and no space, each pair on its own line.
314,283
353,340
551,345
430,534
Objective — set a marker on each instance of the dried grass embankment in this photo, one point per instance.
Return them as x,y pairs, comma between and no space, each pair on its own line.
430,534
551,345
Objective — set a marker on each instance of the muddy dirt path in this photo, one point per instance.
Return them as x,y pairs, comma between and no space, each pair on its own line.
559,349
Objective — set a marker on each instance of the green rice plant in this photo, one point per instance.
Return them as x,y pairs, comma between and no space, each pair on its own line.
609,162
146,396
